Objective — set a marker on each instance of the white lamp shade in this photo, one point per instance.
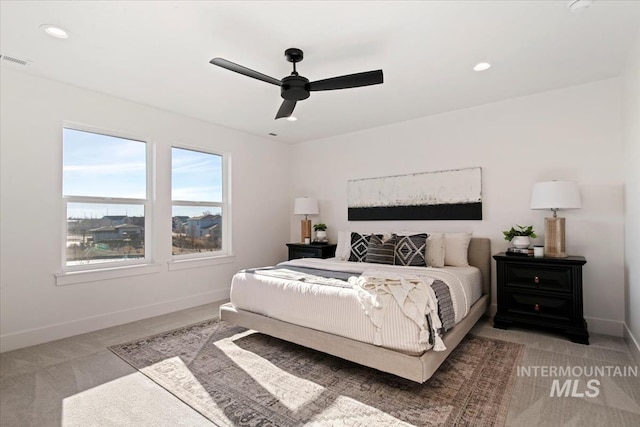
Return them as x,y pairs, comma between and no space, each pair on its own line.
305,206
555,195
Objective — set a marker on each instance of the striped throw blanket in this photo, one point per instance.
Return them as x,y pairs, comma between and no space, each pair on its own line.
445,305
427,302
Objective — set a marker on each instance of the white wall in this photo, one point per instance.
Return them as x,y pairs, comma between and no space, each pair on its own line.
631,98
32,308
573,133
569,134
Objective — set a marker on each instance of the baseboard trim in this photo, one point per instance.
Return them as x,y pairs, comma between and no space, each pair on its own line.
605,327
632,343
17,340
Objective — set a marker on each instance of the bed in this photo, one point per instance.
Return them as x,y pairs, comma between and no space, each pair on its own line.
283,315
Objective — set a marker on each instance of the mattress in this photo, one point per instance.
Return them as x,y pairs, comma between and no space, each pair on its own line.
337,310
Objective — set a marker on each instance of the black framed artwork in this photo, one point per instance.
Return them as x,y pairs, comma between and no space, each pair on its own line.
442,195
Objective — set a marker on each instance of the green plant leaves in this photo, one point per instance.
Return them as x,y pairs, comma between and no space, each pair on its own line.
520,231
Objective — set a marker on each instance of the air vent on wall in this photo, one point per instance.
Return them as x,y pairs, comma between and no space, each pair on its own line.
14,60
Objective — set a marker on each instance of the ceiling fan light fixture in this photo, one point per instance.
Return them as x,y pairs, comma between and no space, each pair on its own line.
55,31
481,66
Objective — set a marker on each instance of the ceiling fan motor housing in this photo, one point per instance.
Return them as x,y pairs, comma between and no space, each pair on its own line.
294,88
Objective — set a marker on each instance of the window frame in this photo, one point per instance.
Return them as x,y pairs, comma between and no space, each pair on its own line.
179,261
146,203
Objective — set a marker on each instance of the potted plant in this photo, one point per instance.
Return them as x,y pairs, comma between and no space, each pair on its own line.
521,236
321,232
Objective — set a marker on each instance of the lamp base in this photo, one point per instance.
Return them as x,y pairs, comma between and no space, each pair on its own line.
554,238
305,229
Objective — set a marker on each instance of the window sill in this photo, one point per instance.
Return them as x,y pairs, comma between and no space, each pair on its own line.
181,264
74,277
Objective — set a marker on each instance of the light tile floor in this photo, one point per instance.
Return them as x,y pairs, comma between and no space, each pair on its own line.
78,382
618,398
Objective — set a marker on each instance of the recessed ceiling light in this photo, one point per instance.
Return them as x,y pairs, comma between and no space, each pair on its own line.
54,31
292,118
578,6
481,66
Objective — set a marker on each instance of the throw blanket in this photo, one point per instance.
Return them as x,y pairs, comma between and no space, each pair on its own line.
445,305
307,275
414,295
424,300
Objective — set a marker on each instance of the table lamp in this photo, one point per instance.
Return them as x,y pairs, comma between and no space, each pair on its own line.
305,206
555,195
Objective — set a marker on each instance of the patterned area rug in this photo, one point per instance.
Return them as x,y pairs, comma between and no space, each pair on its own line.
235,376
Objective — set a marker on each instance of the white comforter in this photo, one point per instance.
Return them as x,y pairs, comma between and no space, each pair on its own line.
337,310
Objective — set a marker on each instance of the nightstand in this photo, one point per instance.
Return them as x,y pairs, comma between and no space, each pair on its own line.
314,250
545,292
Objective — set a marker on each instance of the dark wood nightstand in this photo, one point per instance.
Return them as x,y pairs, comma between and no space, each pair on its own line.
314,250
544,292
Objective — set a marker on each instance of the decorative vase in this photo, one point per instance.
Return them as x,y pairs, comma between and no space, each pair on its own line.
521,241
321,236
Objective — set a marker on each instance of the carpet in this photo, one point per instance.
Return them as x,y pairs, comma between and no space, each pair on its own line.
234,376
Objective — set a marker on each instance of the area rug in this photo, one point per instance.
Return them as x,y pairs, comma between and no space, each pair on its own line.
234,376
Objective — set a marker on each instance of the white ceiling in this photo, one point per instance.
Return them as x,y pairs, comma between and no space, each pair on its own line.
157,53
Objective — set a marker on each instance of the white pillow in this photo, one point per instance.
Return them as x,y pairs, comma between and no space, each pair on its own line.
435,250
343,250
457,249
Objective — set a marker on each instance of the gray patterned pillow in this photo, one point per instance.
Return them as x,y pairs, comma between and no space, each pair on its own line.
381,252
359,246
410,250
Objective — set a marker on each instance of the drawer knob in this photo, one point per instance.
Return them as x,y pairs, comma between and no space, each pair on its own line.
536,279
536,307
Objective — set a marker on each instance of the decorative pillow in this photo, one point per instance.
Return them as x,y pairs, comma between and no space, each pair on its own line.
381,251
359,246
456,251
410,250
343,249
435,250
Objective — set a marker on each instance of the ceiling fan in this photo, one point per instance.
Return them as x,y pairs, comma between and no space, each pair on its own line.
295,88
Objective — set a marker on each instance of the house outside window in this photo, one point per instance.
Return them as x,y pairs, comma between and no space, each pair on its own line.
105,193
200,208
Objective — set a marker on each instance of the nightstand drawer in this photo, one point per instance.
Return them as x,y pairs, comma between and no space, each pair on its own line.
532,276
304,253
556,307
313,250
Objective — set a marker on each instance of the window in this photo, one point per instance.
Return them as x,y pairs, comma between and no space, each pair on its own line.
199,206
106,199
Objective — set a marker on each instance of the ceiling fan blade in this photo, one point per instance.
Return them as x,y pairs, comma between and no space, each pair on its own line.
244,70
351,80
286,109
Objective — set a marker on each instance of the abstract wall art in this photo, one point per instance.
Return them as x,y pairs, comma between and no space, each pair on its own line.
443,195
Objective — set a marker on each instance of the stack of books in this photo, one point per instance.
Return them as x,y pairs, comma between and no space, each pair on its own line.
519,251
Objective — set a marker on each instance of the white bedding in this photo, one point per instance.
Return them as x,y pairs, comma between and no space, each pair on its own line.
337,310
